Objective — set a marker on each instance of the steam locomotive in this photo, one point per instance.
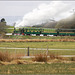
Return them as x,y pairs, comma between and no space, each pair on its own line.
44,32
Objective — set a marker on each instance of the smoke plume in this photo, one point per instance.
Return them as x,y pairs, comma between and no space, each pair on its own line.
44,12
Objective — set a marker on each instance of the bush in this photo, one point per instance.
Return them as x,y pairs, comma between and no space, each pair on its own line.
72,59
40,58
54,56
5,56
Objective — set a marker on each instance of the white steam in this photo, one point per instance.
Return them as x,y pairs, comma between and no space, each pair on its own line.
45,12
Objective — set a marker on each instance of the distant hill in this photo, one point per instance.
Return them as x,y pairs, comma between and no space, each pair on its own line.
47,25
68,23
50,25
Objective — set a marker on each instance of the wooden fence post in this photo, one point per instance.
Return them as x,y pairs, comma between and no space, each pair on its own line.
47,50
28,52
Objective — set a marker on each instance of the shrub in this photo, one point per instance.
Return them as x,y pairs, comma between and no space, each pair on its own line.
40,58
5,56
52,56
72,59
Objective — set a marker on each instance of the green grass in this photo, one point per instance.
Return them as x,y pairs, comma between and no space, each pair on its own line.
35,52
52,45
63,52
9,30
54,68
10,26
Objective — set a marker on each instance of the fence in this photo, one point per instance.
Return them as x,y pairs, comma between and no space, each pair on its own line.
24,51
34,51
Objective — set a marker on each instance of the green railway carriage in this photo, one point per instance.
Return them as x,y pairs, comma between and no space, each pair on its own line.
44,31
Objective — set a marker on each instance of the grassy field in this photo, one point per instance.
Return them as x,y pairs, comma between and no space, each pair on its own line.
54,68
10,26
34,52
10,30
38,68
50,45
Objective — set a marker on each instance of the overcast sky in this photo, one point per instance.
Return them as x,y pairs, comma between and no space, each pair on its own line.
18,9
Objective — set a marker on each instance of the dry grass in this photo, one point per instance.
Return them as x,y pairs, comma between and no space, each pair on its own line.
37,40
20,62
5,56
55,56
17,56
72,58
52,56
40,58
